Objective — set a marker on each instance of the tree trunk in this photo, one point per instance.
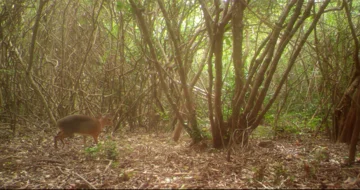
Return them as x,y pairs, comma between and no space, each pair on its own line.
189,103
219,129
346,115
142,25
29,71
356,127
237,32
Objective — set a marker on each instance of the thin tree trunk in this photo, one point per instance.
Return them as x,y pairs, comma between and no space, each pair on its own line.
238,36
29,71
291,63
219,129
356,126
90,44
146,35
190,105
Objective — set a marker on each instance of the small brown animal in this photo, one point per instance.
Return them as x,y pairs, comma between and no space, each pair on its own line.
81,124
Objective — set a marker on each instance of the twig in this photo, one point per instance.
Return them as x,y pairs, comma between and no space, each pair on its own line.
26,186
282,183
107,167
86,181
50,161
58,167
65,173
266,187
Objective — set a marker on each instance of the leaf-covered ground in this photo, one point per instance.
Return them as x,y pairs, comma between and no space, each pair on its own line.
155,161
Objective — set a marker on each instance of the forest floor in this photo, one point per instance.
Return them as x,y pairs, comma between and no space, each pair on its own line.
140,160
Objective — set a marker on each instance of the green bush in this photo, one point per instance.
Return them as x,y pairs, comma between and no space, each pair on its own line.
106,150
110,150
94,151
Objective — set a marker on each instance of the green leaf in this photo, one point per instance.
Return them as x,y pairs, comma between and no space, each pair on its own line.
119,5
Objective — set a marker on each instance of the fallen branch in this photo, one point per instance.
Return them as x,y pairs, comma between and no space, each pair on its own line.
49,161
107,167
86,181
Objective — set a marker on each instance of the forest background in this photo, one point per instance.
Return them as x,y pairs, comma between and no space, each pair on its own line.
217,69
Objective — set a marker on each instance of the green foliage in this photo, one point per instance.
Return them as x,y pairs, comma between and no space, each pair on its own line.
269,118
227,40
293,122
206,133
262,132
94,151
111,150
7,71
115,164
119,5
314,123
204,122
164,115
107,150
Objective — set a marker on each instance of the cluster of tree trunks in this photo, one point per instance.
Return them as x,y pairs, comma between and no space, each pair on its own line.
248,112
